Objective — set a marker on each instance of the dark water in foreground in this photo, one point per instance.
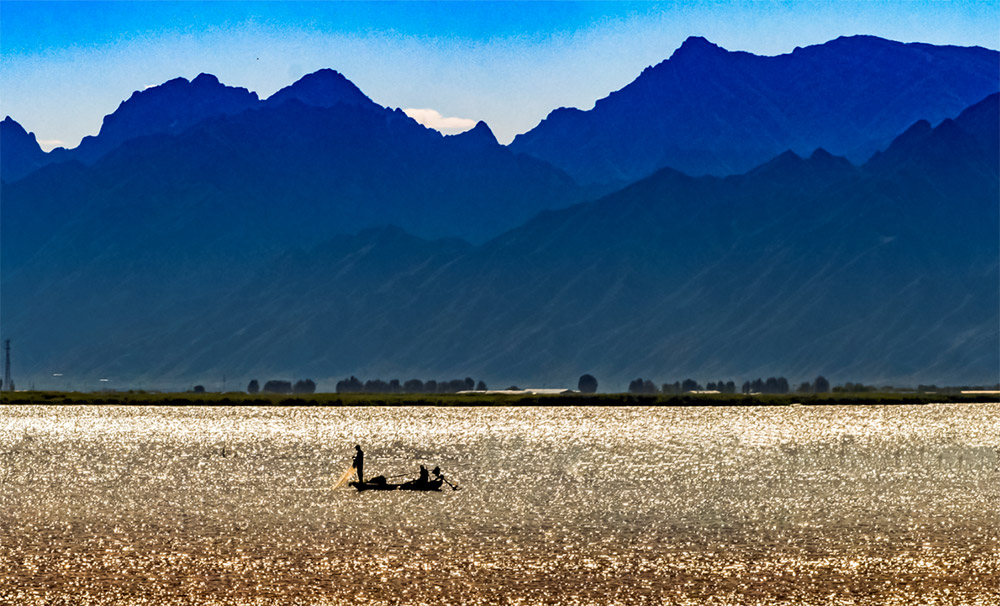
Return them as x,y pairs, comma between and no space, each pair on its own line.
790,505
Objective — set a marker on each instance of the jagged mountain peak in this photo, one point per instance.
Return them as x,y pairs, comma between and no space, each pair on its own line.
695,46
821,157
171,107
12,128
480,134
204,79
821,164
710,111
21,153
181,90
322,88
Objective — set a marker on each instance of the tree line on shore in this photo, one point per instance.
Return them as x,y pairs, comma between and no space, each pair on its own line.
771,385
355,385
282,387
586,384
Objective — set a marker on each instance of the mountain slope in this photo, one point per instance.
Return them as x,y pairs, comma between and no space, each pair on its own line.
883,273
293,172
20,153
706,110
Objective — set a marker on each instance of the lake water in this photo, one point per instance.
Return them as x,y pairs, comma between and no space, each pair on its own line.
789,505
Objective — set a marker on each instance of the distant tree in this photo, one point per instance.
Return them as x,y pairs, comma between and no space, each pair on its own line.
783,386
199,389
351,385
642,386
276,386
513,388
304,386
375,386
746,387
855,387
690,385
453,386
587,384
469,384
394,386
431,386
481,386
821,385
712,387
672,388
730,387
253,387
413,386
805,387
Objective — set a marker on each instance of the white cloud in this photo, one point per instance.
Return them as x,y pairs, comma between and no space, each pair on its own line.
50,144
431,118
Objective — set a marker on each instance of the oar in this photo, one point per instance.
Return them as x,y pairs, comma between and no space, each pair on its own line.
453,487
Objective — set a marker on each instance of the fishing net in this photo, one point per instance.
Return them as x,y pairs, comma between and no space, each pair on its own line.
344,479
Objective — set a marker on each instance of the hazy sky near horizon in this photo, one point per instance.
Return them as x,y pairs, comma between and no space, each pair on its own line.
64,65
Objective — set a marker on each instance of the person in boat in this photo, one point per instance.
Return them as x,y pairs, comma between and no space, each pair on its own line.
424,476
359,463
437,473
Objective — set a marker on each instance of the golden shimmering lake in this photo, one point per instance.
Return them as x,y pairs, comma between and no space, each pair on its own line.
789,505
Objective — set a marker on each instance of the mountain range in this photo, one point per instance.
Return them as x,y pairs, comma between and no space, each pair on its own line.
205,232
706,110
293,166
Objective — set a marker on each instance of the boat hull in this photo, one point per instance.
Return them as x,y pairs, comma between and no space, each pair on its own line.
413,486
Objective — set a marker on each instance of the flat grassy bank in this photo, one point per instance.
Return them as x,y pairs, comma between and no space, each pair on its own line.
140,398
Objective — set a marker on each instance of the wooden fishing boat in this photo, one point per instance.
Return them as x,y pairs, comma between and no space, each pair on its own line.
379,483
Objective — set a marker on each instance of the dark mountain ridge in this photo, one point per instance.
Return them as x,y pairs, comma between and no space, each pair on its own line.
706,110
316,158
887,272
19,151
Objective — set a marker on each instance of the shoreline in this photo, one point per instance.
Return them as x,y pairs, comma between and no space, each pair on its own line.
474,400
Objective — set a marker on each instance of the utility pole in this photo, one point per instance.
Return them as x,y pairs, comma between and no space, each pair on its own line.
8,383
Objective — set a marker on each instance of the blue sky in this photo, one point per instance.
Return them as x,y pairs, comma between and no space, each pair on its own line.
64,65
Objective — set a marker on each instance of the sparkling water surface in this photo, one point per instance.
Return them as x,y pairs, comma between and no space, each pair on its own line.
784,505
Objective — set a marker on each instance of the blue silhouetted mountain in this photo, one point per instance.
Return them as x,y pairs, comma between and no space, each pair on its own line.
706,110
171,107
881,273
477,138
324,88
297,172
19,150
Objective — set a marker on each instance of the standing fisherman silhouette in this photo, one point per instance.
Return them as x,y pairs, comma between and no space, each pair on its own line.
359,463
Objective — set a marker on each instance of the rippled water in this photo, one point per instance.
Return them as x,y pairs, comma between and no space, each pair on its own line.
791,505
